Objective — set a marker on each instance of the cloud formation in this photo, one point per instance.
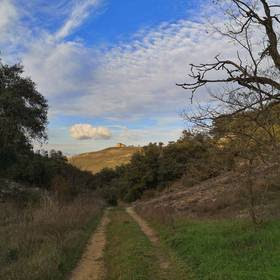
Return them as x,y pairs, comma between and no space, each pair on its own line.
79,13
138,79
134,80
87,131
8,14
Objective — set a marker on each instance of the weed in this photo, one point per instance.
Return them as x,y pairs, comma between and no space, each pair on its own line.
45,242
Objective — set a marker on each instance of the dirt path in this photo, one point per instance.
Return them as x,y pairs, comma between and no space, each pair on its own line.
143,225
171,268
91,265
151,234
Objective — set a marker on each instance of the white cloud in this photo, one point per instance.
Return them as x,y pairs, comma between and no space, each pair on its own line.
87,131
8,14
12,34
133,80
138,79
59,69
79,13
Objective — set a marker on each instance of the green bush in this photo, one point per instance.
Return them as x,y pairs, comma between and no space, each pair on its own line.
194,156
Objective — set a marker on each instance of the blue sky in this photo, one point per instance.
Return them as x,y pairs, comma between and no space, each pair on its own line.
120,20
108,68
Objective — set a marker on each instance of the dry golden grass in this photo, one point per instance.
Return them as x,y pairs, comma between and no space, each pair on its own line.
45,242
110,158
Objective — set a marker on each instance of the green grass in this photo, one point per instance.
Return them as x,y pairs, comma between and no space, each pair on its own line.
226,250
129,255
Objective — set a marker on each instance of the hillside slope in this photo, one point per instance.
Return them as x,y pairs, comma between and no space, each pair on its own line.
110,158
222,196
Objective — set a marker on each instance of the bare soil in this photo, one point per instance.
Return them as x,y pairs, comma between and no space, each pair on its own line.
91,265
164,261
144,226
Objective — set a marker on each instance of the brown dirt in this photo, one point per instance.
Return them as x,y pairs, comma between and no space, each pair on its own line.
91,265
170,266
143,225
151,234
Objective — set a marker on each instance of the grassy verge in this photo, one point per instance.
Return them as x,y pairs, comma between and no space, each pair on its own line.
129,254
225,250
47,241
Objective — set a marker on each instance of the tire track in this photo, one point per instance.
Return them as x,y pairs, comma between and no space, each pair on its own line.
151,234
171,268
91,266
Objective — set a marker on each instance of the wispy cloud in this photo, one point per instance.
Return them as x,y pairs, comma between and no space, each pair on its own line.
11,31
8,14
61,70
79,13
133,80
138,79
60,67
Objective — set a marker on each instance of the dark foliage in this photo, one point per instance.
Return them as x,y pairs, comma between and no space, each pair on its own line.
157,166
23,116
23,120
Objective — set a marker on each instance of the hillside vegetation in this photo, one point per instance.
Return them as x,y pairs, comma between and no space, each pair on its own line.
46,241
45,216
107,158
155,167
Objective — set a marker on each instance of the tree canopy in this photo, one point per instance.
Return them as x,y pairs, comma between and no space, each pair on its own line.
23,114
23,120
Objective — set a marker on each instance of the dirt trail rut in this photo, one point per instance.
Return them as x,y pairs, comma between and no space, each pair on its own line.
91,265
151,234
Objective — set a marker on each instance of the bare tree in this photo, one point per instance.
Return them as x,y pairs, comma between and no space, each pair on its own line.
248,108
252,80
254,26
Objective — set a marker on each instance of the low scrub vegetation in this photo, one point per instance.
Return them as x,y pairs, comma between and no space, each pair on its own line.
193,156
47,212
45,241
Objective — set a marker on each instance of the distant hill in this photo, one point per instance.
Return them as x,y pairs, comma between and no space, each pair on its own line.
110,157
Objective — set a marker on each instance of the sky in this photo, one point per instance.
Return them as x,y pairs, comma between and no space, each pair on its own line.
109,68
